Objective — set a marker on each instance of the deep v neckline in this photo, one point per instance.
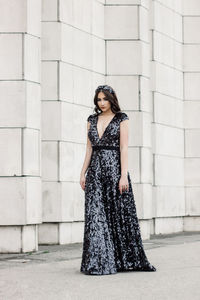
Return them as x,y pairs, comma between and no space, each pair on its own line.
100,138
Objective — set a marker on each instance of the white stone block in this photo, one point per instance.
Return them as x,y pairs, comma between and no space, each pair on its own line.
68,190
191,35
82,86
66,11
174,5
66,161
77,232
145,95
127,90
145,58
68,36
168,225
20,104
50,161
98,23
68,120
11,56
51,41
166,49
51,120
21,200
145,229
169,170
82,13
124,57
67,79
191,114
33,200
191,7
139,129
13,16
123,2
29,238
12,104
143,200
10,152
167,21
134,163
192,174
166,80
33,105
10,237
83,58
34,8
31,152
78,202
13,200
121,22
192,142
168,110
52,201
169,201
98,55
65,233
191,223
48,233
143,19
32,58
191,86
191,61
50,10
192,196
146,165
167,140
79,155
49,80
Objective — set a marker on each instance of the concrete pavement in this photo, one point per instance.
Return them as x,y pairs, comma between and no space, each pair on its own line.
53,273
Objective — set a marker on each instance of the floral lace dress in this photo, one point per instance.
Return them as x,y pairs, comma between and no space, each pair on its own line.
112,239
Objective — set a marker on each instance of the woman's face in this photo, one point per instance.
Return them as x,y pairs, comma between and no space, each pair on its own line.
102,102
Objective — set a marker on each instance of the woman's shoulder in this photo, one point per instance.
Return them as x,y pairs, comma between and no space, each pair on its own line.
91,117
122,116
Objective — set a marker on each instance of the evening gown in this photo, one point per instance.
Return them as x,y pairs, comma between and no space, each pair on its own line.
112,240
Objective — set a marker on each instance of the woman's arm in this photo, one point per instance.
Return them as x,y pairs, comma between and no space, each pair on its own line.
123,183
124,147
88,153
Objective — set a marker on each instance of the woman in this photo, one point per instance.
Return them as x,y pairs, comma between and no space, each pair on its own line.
112,240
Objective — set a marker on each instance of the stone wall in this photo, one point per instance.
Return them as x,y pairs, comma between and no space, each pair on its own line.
54,53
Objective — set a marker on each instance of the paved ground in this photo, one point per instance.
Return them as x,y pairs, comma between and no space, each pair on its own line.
53,273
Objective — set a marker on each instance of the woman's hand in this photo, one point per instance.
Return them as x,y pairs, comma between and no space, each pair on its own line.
123,184
82,181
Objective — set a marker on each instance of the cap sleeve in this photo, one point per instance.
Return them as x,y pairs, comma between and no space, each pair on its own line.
124,116
89,119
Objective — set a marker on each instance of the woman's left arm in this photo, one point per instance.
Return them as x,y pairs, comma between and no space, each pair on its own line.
124,132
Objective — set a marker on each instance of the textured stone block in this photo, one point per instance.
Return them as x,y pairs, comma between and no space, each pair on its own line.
121,22
50,161
192,196
10,152
169,170
168,225
124,57
192,174
169,201
11,58
168,140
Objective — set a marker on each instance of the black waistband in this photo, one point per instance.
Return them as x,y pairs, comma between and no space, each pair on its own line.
98,147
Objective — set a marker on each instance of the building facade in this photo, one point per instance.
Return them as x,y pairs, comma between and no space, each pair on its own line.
53,55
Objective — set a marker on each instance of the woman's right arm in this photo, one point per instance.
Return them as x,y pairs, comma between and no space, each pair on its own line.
87,159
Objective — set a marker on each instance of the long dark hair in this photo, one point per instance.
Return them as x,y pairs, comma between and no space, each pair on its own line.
110,96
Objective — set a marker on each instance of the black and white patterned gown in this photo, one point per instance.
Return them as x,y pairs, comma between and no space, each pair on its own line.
112,239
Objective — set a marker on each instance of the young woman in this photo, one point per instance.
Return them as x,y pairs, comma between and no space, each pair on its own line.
112,239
